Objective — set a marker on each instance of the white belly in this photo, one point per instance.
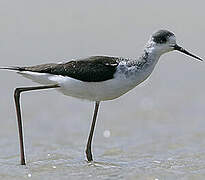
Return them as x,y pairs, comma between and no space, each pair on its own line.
94,91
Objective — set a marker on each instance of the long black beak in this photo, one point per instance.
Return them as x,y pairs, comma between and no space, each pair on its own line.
178,48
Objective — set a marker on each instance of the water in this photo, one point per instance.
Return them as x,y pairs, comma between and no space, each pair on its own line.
154,132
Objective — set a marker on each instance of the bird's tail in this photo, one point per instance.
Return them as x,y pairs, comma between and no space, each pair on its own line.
37,77
13,68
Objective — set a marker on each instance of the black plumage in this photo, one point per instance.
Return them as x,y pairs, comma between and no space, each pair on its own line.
161,36
92,69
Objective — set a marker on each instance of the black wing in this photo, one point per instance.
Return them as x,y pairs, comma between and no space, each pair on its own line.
92,69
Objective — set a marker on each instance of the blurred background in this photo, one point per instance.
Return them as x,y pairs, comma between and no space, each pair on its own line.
156,131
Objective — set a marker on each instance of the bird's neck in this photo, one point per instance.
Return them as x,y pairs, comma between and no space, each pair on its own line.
148,59
144,65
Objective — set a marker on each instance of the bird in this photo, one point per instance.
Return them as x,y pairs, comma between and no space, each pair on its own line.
95,78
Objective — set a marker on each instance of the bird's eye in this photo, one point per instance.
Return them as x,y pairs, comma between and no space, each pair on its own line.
160,39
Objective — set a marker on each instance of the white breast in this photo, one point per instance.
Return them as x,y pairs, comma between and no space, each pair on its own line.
94,91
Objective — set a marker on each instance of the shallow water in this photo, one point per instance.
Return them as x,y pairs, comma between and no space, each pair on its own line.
155,132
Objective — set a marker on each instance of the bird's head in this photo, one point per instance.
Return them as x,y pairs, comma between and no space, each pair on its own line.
164,41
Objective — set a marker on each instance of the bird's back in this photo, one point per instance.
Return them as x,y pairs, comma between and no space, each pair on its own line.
92,69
